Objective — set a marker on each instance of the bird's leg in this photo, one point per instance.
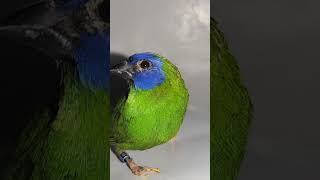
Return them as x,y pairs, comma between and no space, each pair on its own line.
135,168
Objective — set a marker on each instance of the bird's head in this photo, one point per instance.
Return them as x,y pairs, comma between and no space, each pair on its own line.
143,70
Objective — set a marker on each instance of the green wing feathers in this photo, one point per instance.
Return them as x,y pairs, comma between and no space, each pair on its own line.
231,110
74,145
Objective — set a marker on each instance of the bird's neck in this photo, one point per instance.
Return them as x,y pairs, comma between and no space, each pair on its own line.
92,58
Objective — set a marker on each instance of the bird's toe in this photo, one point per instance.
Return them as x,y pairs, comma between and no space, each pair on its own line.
144,171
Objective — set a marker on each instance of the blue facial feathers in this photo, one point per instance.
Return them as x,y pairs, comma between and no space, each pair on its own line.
92,58
149,78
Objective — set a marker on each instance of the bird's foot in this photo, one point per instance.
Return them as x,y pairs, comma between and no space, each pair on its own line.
141,170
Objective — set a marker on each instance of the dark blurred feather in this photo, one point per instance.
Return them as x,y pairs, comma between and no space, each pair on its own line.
231,109
30,85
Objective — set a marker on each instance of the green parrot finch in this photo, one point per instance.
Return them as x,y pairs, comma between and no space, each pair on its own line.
152,111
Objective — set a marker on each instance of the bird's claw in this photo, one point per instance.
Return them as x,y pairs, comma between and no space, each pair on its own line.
143,171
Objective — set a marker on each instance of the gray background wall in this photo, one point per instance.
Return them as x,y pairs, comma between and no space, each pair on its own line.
276,43
178,30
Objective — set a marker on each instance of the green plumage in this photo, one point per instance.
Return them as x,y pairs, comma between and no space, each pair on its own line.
231,110
150,117
74,145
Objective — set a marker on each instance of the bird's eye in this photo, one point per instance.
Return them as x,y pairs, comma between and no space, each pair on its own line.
144,64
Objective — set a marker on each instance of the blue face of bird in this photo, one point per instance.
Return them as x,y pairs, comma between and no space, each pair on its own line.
92,58
145,70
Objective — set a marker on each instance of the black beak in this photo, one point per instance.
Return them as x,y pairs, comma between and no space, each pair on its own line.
123,70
